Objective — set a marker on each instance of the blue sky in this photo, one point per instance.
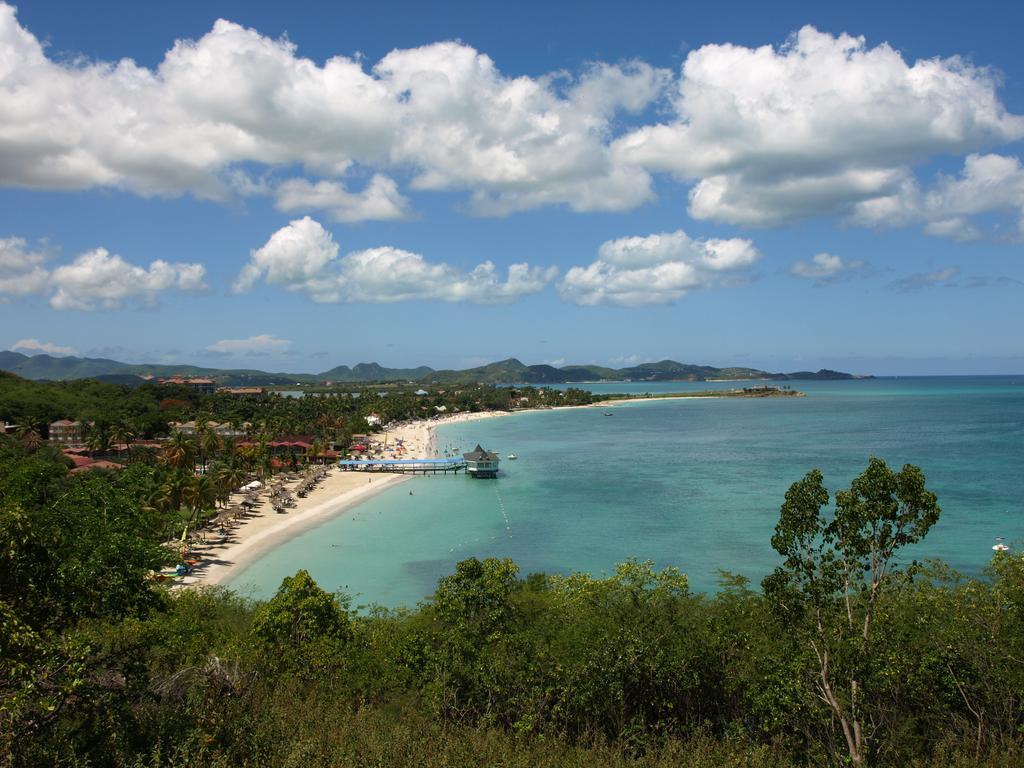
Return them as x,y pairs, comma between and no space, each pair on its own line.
304,185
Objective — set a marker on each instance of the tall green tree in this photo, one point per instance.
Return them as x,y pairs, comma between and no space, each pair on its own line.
835,574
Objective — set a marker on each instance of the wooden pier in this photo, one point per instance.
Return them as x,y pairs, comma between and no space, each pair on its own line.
404,466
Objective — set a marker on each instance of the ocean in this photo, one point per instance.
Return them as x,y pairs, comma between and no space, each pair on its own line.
691,483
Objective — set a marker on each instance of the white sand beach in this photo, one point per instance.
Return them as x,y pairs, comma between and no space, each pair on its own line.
263,529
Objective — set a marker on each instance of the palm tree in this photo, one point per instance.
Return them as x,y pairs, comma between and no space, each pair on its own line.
174,489
179,452
209,441
316,450
147,455
97,440
30,438
264,465
200,494
229,477
217,474
123,434
247,455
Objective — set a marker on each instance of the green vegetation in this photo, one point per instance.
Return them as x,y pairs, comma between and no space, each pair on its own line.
100,666
329,415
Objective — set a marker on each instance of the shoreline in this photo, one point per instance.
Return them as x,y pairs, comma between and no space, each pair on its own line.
258,533
219,564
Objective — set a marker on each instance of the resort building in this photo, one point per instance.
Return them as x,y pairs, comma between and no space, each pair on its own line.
224,430
481,463
373,419
66,432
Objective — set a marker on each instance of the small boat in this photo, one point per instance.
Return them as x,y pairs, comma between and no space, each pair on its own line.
512,457
1000,546
608,413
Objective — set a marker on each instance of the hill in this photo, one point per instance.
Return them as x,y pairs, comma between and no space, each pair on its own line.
375,372
502,372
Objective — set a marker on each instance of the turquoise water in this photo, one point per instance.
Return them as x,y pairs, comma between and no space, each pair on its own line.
691,483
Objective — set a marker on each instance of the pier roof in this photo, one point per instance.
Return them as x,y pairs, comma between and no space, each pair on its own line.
479,454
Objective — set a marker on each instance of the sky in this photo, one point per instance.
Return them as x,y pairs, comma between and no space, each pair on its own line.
295,186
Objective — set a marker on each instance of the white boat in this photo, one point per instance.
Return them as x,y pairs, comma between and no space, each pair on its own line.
512,457
1000,546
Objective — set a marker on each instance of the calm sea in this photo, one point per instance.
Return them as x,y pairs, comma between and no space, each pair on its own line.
692,483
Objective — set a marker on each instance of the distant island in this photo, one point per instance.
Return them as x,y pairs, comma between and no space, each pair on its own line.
510,371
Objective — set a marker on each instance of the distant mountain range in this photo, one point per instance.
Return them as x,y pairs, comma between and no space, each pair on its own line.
502,372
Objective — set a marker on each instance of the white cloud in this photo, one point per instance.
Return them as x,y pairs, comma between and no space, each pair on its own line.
827,268
100,278
253,346
94,278
303,257
655,269
21,273
814,126
956,228
234,96
942,277
987,184
296,257
391,274
379,201
34,346
765,135
517,143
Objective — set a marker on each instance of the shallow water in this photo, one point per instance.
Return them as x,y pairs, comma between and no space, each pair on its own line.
693,483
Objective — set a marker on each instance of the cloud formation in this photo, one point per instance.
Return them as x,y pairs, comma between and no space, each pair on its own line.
827,268
35,346
94,279
987,184
98,278
380,200
21,270
655,269
254,346
444,111
303,257
765,135
814,126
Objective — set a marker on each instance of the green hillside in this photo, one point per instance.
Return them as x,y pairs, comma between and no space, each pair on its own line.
502,372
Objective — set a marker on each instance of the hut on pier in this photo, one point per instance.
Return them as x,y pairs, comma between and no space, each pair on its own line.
481,463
